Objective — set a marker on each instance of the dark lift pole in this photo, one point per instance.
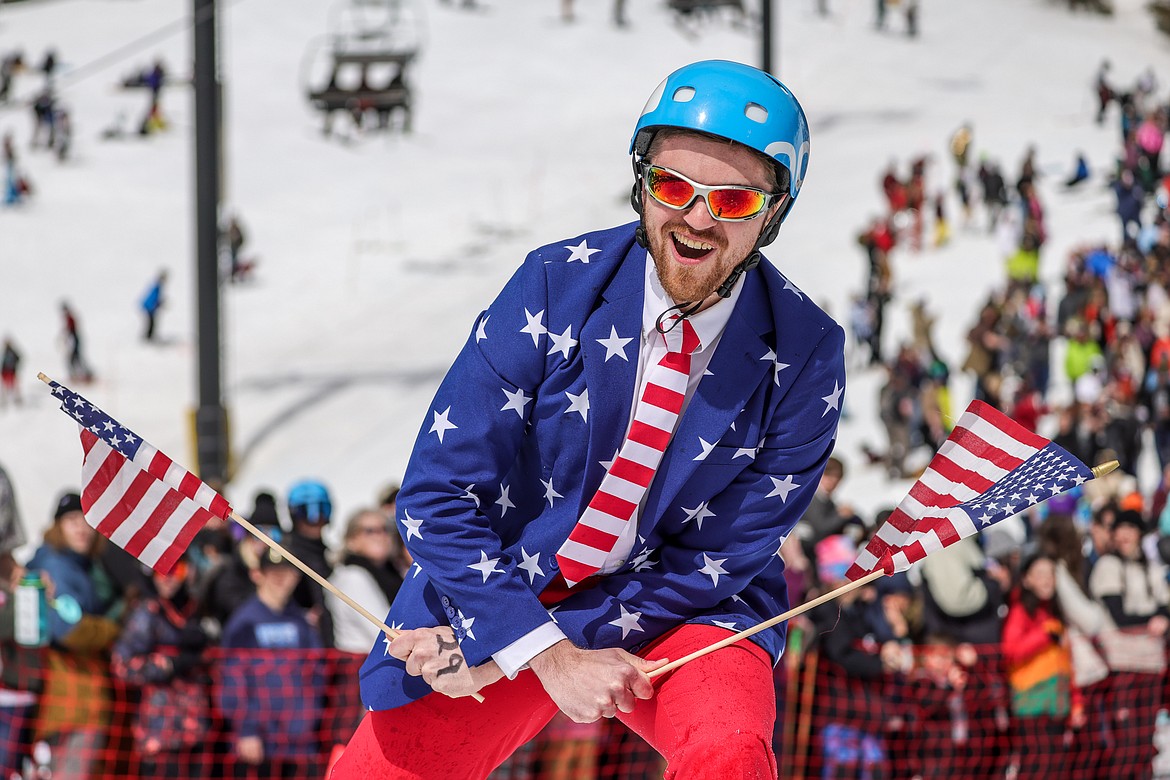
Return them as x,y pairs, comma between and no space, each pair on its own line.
211,442
766,38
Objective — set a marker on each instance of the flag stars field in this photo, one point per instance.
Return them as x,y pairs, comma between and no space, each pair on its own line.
627,621
580,252
615,345
535,327
442,424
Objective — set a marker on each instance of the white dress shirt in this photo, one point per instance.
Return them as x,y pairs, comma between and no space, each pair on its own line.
709,326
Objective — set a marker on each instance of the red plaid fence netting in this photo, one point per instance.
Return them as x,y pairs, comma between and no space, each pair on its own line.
949,711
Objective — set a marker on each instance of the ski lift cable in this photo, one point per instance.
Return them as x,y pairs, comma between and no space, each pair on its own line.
71,77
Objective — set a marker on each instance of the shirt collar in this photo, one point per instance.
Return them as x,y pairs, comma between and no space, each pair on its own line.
708,324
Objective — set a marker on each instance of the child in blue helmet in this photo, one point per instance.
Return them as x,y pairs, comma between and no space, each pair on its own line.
543,557
310,509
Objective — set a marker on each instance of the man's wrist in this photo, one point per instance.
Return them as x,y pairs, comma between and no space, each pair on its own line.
549,657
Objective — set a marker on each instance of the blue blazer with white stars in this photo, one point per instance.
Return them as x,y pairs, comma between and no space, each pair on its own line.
512,450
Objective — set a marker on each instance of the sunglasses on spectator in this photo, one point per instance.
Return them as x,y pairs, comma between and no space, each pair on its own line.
725,202
374,530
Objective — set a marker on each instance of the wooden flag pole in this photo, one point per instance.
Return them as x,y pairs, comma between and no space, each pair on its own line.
731,640
1098,471
324,583
295,561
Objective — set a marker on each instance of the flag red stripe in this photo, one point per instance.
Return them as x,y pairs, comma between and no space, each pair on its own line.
126,503
632,472
182,540
928,497
612,505
981,449
159,465
655,438
592,537
87,442
953,472
189,485
663,398
1007,425
220,507
154,523
901,521
102,477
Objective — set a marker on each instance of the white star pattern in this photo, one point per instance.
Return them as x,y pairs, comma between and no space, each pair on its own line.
441,424
748,451
412,527
782,487
417,569
776,376
729,625
386,641
471,495
581,252
707,447
531,564
579,404
535,327
486,566
550,492
608,464
504,501
467,624
790,286
698,514
562,343
714,568
615,345
627,621
642,560
833,399
481,329
516,401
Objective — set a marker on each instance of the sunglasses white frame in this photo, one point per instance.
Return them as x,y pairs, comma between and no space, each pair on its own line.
702,190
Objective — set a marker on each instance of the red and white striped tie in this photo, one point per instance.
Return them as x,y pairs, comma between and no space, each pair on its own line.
629,477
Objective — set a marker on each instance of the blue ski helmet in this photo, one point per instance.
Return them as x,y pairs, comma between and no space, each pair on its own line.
737,102
308,500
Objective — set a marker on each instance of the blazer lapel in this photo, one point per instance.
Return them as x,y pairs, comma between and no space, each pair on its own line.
736,370
610,380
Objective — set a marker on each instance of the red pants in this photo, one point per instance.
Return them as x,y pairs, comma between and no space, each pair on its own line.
710,718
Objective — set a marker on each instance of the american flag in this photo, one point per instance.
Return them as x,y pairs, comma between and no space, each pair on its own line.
989,468
134,495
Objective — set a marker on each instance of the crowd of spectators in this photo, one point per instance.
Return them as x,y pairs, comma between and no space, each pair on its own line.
1037,648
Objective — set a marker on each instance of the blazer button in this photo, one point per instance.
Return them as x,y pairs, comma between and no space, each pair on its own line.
552,564
450,613
445,601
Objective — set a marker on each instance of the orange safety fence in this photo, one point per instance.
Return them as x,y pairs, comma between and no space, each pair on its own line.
67,716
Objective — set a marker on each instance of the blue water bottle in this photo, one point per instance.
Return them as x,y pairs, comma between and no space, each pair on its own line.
31,611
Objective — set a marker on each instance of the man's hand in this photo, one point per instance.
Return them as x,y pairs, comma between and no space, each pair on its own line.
592,684
250,750
433,654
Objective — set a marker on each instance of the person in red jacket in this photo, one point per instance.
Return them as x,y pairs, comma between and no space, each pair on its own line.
1039,669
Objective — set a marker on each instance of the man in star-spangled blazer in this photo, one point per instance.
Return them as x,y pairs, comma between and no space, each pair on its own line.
515,446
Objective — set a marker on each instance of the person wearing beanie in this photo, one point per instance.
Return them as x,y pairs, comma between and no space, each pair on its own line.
229,584
75,728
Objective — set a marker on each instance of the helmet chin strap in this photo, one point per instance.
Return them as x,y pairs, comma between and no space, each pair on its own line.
689,308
